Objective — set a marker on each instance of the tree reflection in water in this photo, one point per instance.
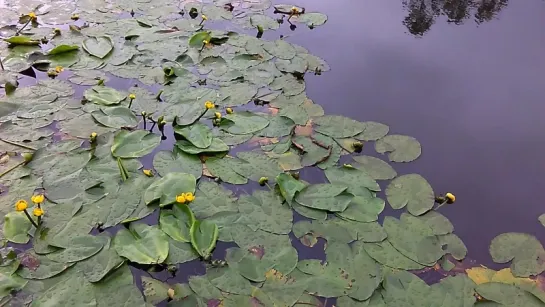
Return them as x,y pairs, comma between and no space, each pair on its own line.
422,13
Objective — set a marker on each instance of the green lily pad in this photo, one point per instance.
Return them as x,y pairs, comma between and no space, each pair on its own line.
256,165
178,161
524,250
401,148
309,232
16,227
134,144
204,235
45,269
224,168
373,131
197,39
289,186
167,188
198,134
384,253
330,197
375,167
97,267
265,211
507,295
326,280
204,288
311,19
356,180
80,248
337,126
115,117
180,252
244,122
141,243
99,46
412,191
103,95
177,222
216,146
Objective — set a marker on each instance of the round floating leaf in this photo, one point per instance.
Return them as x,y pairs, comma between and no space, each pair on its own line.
280,49
141,244
289,186
95,268
115,117
177,222
309,232
356,180
507,295
39,267
363,208
311,19
373,131
203,288
524,250
266,22
278,126
204,235
229,280
155,291
79,248
118,289
198,134
326,280
134,144
264,210
16,227
244,122
180,252
256,165
99,46
236,94
74,290
167,188
401,148
103,95
376,168
224,168
337,126
330,197
62,49
217,145
166,162
453,245
197,39
384,253
412,191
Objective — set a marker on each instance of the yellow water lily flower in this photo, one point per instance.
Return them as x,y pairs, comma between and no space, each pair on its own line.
148,172
205,41
229,111
189,197
204,17
294,10
21,205
57,31
52,73
75,17
38,212
217,115
59,69
132,96
32,15
37,199
181,198
209,105
94,135
450,198
263,180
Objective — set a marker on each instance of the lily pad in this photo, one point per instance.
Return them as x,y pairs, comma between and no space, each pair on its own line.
401,148
375,167
178,161
330,197
134,144
115,117
99,46
103,95
412,191
244,122
197,134
141,243
167,188
525,252
337,126
204,235
177,222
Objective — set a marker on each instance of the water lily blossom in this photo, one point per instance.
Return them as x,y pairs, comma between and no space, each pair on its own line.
74,17
263,181
148,172
217,115
59,69
450,198
181,198
132,96
32,15
205,41
229,111
21,205
189,197
38,212
209,105
93,137
37,199
204,17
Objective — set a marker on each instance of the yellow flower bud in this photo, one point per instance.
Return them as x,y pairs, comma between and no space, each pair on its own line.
206,42
229,111
38,212
294,10
204,17
148,172
32,15
52,73
217,115
189,197
27,156
59,69
263,180
37,199
132,96
209,105
450,198
21,205
180,198
57,31
75,17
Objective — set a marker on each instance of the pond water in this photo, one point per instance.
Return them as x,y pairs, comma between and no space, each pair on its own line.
465,78
471,93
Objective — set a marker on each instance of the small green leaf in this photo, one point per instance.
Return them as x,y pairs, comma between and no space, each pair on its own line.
196,41
62,49
204,235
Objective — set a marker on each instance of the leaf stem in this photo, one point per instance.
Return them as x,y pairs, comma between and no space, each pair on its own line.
12,168
1,64
17,144
31,219
22,28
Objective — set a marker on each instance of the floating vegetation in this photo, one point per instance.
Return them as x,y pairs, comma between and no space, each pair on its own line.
154,165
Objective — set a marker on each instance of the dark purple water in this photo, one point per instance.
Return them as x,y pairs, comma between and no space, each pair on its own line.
472,94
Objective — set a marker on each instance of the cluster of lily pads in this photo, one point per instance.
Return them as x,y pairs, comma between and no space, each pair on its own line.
144,178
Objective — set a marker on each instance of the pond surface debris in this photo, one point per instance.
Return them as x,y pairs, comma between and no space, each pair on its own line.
154,165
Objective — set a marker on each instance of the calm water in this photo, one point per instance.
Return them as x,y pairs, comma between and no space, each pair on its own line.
473,95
